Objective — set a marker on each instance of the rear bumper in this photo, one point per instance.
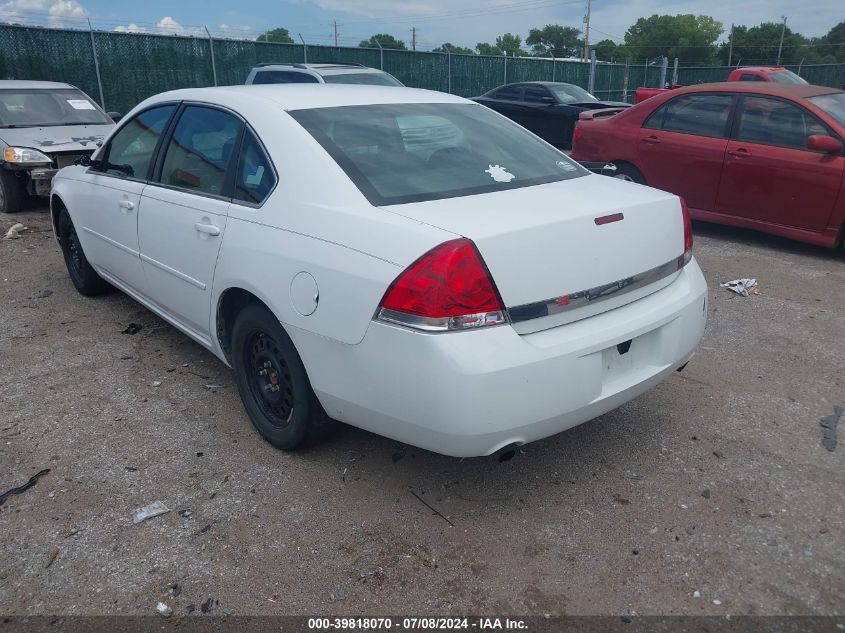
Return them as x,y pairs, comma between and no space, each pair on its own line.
471,393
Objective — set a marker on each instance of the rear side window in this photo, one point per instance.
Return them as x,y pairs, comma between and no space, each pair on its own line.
508,93
699,115
368,79
200,151
283,77
132,148
750,77
254,178
774,122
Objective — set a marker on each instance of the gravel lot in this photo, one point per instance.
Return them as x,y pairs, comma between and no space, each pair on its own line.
710,494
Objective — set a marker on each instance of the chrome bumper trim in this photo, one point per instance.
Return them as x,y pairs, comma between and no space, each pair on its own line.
579,299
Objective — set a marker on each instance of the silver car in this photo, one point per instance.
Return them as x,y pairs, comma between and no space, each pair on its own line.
44,126
294,73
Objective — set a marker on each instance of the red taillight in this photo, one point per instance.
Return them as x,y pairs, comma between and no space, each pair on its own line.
577,134
448,288
687,232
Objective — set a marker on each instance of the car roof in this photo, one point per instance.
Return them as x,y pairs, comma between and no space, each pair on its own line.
305,96
786,90
300,66
16,84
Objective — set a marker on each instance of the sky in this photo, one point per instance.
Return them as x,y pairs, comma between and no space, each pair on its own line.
462,23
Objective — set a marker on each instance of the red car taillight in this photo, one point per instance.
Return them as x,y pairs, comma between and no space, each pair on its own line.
687,232
448,288
576,135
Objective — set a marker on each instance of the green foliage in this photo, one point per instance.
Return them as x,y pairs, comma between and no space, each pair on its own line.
386,41
279,35
554,39
608,49
832,47
448,47
758,46
507,43
688,37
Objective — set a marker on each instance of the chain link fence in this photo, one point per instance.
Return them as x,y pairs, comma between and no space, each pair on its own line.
134,66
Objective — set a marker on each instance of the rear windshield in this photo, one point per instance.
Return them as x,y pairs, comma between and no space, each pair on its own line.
45,107
786,77
413,152
370,79
833,104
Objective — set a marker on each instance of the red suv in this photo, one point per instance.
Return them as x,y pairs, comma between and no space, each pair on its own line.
761,155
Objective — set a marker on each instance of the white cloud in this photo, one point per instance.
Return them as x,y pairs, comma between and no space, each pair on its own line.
49,12
130,28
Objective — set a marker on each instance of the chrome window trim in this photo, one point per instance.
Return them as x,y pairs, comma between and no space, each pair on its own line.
564,303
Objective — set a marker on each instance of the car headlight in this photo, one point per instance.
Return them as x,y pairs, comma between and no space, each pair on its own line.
25,156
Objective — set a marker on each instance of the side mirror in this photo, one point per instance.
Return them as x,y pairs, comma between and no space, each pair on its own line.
824,143
548,100
115,116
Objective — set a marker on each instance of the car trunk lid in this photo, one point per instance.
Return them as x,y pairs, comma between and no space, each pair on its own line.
564,251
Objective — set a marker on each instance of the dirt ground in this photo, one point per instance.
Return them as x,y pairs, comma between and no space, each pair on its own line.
710,494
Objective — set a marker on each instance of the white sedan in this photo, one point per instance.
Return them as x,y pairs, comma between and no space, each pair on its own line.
404,261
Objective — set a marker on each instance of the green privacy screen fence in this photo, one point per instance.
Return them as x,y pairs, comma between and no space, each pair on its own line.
134,66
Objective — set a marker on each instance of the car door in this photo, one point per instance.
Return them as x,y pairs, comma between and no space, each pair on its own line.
184,210
681,146
543,116
109,197
769,173
507,100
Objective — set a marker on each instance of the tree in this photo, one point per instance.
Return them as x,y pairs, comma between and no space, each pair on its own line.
507,43
452,48
554,39
758,46
688,37
280,35
831,47
386,41
608,49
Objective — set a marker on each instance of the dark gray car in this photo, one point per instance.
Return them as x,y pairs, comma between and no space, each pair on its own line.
44,126
549,109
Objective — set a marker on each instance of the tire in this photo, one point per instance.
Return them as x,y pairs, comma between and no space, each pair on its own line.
629,173
13,196
273,384
84,277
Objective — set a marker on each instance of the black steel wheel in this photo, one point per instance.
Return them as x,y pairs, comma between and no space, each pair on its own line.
85,279
272,382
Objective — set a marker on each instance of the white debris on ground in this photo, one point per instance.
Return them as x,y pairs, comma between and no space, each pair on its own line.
148,512
163,609
14,232
742,286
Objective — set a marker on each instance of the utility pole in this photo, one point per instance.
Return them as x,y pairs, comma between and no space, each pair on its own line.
335,33
731,46
413,38
587,31
780,46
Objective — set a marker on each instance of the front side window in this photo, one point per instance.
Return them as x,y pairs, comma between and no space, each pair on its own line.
254,179
774,122
130,151
201,149
414,152
369,79
283,77
48,108
536,94
698,114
